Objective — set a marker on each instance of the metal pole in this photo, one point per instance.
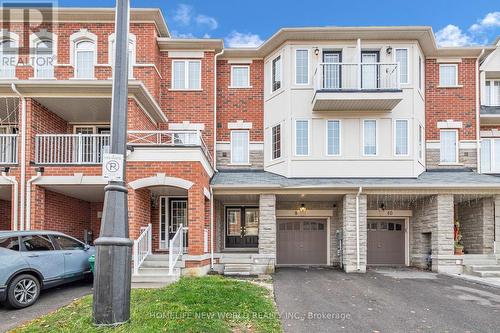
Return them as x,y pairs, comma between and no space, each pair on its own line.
113,247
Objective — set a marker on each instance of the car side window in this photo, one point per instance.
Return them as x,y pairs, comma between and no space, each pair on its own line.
67,243
37,243
10,243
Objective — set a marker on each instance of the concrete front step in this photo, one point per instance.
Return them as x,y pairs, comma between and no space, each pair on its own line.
485,274
141,278
484,267
237,269
231,260
156,271
149,285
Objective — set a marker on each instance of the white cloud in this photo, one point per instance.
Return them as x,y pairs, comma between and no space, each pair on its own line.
177,34
491,20
183,14
208,21
451,35
239,39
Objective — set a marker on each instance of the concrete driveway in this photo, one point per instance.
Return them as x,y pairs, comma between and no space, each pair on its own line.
384,300
50,300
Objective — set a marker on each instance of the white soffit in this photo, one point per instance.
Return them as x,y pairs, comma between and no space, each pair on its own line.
186,54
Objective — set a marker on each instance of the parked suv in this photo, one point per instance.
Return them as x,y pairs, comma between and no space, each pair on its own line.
36,260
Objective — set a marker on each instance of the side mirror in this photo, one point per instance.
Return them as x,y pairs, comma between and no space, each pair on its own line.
86,247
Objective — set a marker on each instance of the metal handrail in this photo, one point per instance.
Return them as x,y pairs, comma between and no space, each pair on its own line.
142,247
175,249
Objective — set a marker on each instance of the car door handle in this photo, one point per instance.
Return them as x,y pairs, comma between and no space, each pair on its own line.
68,253
33,256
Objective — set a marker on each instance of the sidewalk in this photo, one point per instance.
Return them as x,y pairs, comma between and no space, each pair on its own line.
490,281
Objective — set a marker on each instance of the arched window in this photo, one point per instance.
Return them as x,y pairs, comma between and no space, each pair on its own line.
131,53
8,58
84,59
44,59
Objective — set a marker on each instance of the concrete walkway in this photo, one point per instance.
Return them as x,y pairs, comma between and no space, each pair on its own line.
385,300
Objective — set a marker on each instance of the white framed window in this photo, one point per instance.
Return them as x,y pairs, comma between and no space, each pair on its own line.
302,66
131,52
84,59
276,74
302,137
448,75
492,93
401,137
448,146
420,142
490,155
44,59
240,76
186,74
8,58
333,128
369,137
401,58
240,152
276,142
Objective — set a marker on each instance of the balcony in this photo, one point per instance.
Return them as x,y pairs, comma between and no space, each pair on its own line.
356,87
88,149
8,148
490,114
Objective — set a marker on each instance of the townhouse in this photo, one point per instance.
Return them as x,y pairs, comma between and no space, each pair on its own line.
324,146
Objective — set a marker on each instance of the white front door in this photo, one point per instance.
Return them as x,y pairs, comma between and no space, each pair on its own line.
369,70
173,213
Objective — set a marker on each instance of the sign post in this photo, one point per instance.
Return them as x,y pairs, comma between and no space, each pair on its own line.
113,247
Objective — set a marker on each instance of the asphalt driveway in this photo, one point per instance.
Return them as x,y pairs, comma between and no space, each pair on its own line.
50,300
388,300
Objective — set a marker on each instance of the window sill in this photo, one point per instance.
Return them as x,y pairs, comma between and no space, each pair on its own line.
43,78
450,164
457,86
8,78
82,78
187,90
233,87
240,164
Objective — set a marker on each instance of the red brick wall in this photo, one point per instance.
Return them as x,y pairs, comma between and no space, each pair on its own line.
458,104
139,210
137,118
240,104
193,106
95,209
5,215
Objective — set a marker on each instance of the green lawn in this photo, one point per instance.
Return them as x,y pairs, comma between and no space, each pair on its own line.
206,304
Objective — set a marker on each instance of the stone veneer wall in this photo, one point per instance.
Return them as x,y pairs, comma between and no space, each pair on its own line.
336,224
349,233
256,160
496,208
466,157
267,230
478,225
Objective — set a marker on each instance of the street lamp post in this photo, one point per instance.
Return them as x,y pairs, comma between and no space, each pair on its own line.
114,248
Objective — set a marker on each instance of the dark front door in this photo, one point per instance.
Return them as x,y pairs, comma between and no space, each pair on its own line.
242,227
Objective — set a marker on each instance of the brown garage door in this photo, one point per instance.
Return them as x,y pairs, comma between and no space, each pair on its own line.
302,242
386,242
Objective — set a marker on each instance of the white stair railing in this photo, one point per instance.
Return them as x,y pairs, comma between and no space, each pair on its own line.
8,148
175,249
142,247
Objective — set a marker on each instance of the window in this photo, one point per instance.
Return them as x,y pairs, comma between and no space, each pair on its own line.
10,243
131,54
449,146
302,67
239,147
401,137
402,61
37,243
240,76
332,73
492,93
369,70
276,142
301,137
85,57
369,137
420,68
66,243
44,60
490,155
8,57
448,75
420,142
333,137
233,221
186,74
276,73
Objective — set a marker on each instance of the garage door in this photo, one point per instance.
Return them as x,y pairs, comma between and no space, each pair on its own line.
386,242
302,242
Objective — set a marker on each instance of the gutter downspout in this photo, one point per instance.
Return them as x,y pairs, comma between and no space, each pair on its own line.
215,108
28,199
212,228
23,153
15,200
358,266
478,114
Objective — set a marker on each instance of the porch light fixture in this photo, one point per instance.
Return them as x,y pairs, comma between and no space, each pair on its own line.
382,206
316,51
5,169
388,50
302,208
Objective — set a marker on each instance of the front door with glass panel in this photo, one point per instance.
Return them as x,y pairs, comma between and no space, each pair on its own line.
369,70
173,214
331,70
242,227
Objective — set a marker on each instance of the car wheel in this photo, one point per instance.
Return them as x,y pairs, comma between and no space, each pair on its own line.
23,291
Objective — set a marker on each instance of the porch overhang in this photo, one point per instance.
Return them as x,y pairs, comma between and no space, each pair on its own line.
326,100
87,188
86,90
